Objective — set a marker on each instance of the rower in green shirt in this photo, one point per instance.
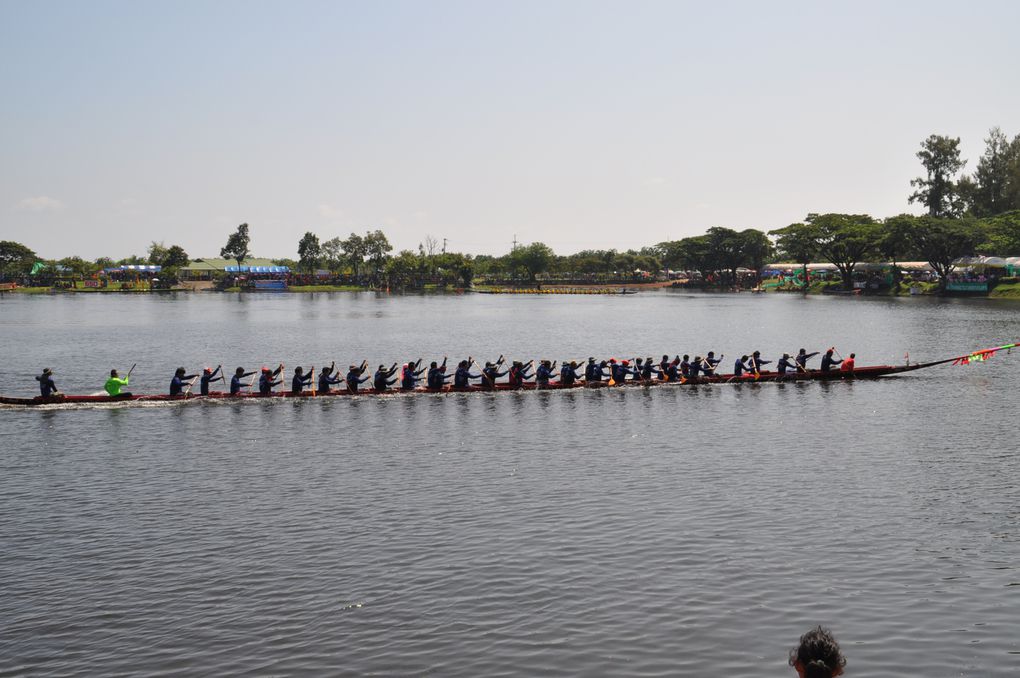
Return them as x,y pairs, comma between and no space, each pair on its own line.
115,383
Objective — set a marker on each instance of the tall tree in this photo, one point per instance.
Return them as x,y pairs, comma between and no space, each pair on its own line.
990,189
727,251
757,250
15,258
354,250
797,242
309,252
534,259
377,246
845,240
175,257
237,245
942,241
895,243
332,254
1003,234
157,253
938,190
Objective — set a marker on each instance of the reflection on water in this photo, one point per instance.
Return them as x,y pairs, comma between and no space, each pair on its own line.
667,531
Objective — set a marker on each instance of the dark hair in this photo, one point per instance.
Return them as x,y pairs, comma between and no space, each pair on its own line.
819,654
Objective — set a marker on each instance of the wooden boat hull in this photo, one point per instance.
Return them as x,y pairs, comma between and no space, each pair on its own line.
871,372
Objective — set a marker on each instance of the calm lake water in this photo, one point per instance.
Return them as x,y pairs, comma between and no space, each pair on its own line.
661,532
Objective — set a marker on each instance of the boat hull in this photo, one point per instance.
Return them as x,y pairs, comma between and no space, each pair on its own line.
871,372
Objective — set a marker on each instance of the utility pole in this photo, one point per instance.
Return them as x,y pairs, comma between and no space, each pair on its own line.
514,247
444,245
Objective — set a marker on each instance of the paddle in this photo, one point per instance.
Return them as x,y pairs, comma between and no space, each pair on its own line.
187,391
312,380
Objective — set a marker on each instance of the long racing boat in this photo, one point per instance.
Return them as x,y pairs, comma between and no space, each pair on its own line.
869,372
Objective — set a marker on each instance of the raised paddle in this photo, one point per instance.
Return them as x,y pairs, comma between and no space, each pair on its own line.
187,391
312,381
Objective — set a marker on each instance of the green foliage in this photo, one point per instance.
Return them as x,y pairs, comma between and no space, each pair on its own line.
1002,234
15,258
942,241
798,242
994,187
845,240
78,266
532,259
237,245
309,252
937,191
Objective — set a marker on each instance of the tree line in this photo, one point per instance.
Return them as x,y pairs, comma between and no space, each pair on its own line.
965,214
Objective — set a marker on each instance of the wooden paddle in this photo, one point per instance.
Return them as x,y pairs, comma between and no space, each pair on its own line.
312,381
187,391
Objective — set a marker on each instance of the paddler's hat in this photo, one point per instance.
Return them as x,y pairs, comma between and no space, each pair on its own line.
626,362
573,363
591,359
265,369
47,370
207,370
786,355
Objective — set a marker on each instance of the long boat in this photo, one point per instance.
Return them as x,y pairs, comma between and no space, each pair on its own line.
869,372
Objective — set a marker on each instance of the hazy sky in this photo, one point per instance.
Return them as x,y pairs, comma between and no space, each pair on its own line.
580,124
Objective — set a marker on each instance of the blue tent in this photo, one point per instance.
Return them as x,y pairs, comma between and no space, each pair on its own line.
257,269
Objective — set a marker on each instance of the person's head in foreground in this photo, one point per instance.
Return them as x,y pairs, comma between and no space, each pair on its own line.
818,655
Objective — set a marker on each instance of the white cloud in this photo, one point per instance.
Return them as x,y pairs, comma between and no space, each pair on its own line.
330,212
40,203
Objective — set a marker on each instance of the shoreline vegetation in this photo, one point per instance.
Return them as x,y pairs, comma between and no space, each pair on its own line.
966,243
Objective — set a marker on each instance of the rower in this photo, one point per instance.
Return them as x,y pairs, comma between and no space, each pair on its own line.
47,388
209,375
354,378
848,364
802,358
267,380
664,365
462,377
177,384
673,372
546,370
328,378
694,367
114,384
519,373
784,364
381,380
646,370
437,376
300,380
410,374
739,367
568,373
685,367
711,363
592,371
757,362
235,381
491,373
828,362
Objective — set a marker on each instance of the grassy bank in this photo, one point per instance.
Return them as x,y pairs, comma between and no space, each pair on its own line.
1006,291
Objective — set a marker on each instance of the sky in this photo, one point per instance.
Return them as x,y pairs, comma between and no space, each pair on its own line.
578,124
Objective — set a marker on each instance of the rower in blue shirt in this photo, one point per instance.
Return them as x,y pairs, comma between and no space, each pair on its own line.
685,366
592,371
757,362
354,378
209,375
235,381
490,373
828,362
177,384
437,376
409,375
328,378
802,358
300,380
382,381
462,377
739,367
694,367
646,370
664,366
785,364
47,388
568,373
545,372
710,363
267,380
